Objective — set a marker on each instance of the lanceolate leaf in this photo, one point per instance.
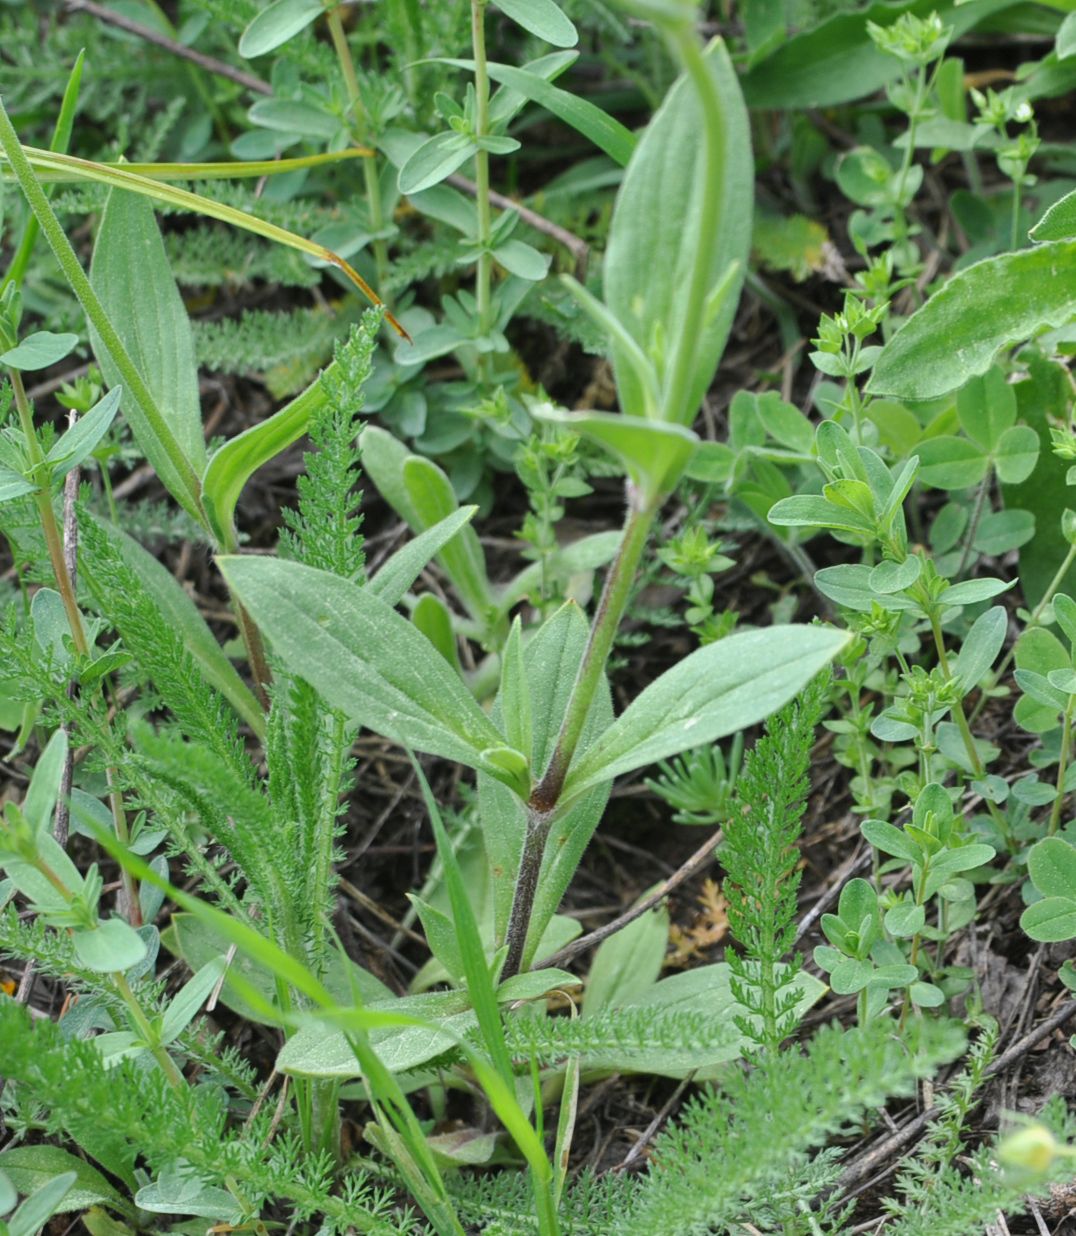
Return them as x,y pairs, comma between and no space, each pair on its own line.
543,18
585,117
364,658
276,24
715,691
131,275
958,332
654,246
1059,222
404,567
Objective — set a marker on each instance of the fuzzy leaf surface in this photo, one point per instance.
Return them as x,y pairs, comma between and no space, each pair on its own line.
958,332
715,691
652,251
131,275
364,658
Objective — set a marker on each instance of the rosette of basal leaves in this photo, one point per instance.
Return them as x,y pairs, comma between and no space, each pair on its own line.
678,245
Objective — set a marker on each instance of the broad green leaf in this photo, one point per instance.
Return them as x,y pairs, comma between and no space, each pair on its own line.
1044,399
31,1167
905,920
432,498
968,591
440,936
814,511
986,407
1051,864
180,614
981,647
401,570
131,275
1016,454
234,463
39,350
836,61
1064,608
198,943
715,691
889,576
176,1193
519,258
958,332
784,422
653,454
383,457
364,658
434,161
628,963
112,946
543,18
45,784
295,116
1039,688
432,617
948,462
12,485
35,1212
890,840
654,249
80,441
275,25
851,586
1059,222
1001,531
316,1051
1050,920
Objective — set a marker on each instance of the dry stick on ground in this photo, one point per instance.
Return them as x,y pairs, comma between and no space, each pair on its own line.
872,1159
210,63
701,856
635,1153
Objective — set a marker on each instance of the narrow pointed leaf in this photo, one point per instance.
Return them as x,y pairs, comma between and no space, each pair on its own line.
364,658
717,690
131,275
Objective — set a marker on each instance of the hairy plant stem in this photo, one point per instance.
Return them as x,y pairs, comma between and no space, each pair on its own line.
541,809
484,268
65,586
80,284
51,530
358,117
1062,768
159,1053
